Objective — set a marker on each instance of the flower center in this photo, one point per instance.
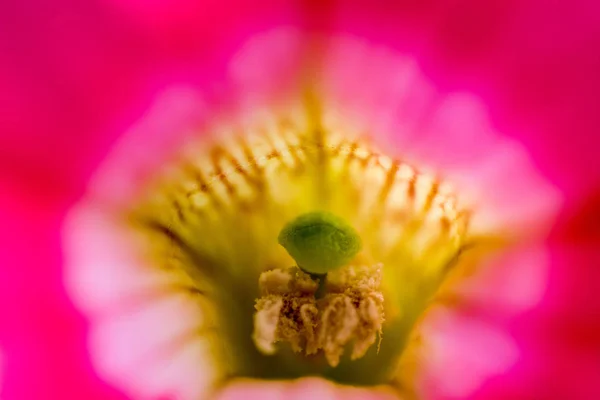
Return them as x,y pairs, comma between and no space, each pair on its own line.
214,220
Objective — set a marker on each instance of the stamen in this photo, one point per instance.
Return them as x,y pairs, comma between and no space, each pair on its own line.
352,311
286,311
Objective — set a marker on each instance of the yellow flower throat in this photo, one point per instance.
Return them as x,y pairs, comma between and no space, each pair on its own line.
213,219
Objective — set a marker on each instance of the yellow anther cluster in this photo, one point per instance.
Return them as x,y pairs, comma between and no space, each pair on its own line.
351,312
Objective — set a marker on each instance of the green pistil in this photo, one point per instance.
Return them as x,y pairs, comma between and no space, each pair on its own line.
320,242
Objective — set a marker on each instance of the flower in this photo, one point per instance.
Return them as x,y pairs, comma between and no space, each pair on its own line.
518,182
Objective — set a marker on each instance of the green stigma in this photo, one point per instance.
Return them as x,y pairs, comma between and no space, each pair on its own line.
320,242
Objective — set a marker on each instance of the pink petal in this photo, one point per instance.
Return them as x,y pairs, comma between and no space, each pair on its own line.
506,285
74,76
102,268
144,337
306,388
1,370
69,71
445,134
461,353
529,61
559,341
42,335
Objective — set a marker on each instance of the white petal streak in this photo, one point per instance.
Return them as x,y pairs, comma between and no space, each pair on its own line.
145,336
103,261
306,388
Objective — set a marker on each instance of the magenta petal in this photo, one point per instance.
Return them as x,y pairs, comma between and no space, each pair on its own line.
461,353
560,339
41,335
445,134
69,73
75,75
531,61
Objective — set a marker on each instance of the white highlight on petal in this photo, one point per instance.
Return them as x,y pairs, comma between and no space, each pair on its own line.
301,389
461,353
508,284
144,336
509,194
103,261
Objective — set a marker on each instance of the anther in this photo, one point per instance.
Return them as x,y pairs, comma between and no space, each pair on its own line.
351,312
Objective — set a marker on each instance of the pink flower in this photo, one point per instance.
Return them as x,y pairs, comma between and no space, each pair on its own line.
106,104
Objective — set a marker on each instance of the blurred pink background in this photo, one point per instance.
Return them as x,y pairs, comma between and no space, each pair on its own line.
75,75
